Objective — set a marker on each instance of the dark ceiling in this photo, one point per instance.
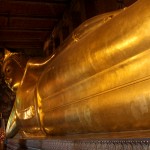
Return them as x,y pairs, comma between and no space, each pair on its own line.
25,24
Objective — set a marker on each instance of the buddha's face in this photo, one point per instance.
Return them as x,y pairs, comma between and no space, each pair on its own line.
13,74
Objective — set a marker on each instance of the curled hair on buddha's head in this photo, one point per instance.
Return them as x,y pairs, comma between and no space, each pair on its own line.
19,58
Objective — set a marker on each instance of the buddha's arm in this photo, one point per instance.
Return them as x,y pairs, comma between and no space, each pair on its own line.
34,68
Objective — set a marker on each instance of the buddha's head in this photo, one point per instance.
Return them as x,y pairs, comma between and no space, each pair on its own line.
13,69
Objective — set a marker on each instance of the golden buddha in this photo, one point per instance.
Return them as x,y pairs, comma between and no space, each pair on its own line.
98,83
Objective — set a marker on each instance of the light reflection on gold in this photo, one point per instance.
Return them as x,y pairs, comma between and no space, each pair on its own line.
28,113
40,111
16,85
127,42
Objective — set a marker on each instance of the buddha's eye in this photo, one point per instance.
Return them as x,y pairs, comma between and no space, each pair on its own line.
8,70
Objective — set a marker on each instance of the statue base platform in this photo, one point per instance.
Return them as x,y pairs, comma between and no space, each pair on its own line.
120,141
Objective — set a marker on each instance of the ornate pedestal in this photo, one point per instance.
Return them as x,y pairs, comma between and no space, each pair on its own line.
116,144
113,141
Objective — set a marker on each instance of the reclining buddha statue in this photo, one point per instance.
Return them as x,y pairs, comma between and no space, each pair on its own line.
98,83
